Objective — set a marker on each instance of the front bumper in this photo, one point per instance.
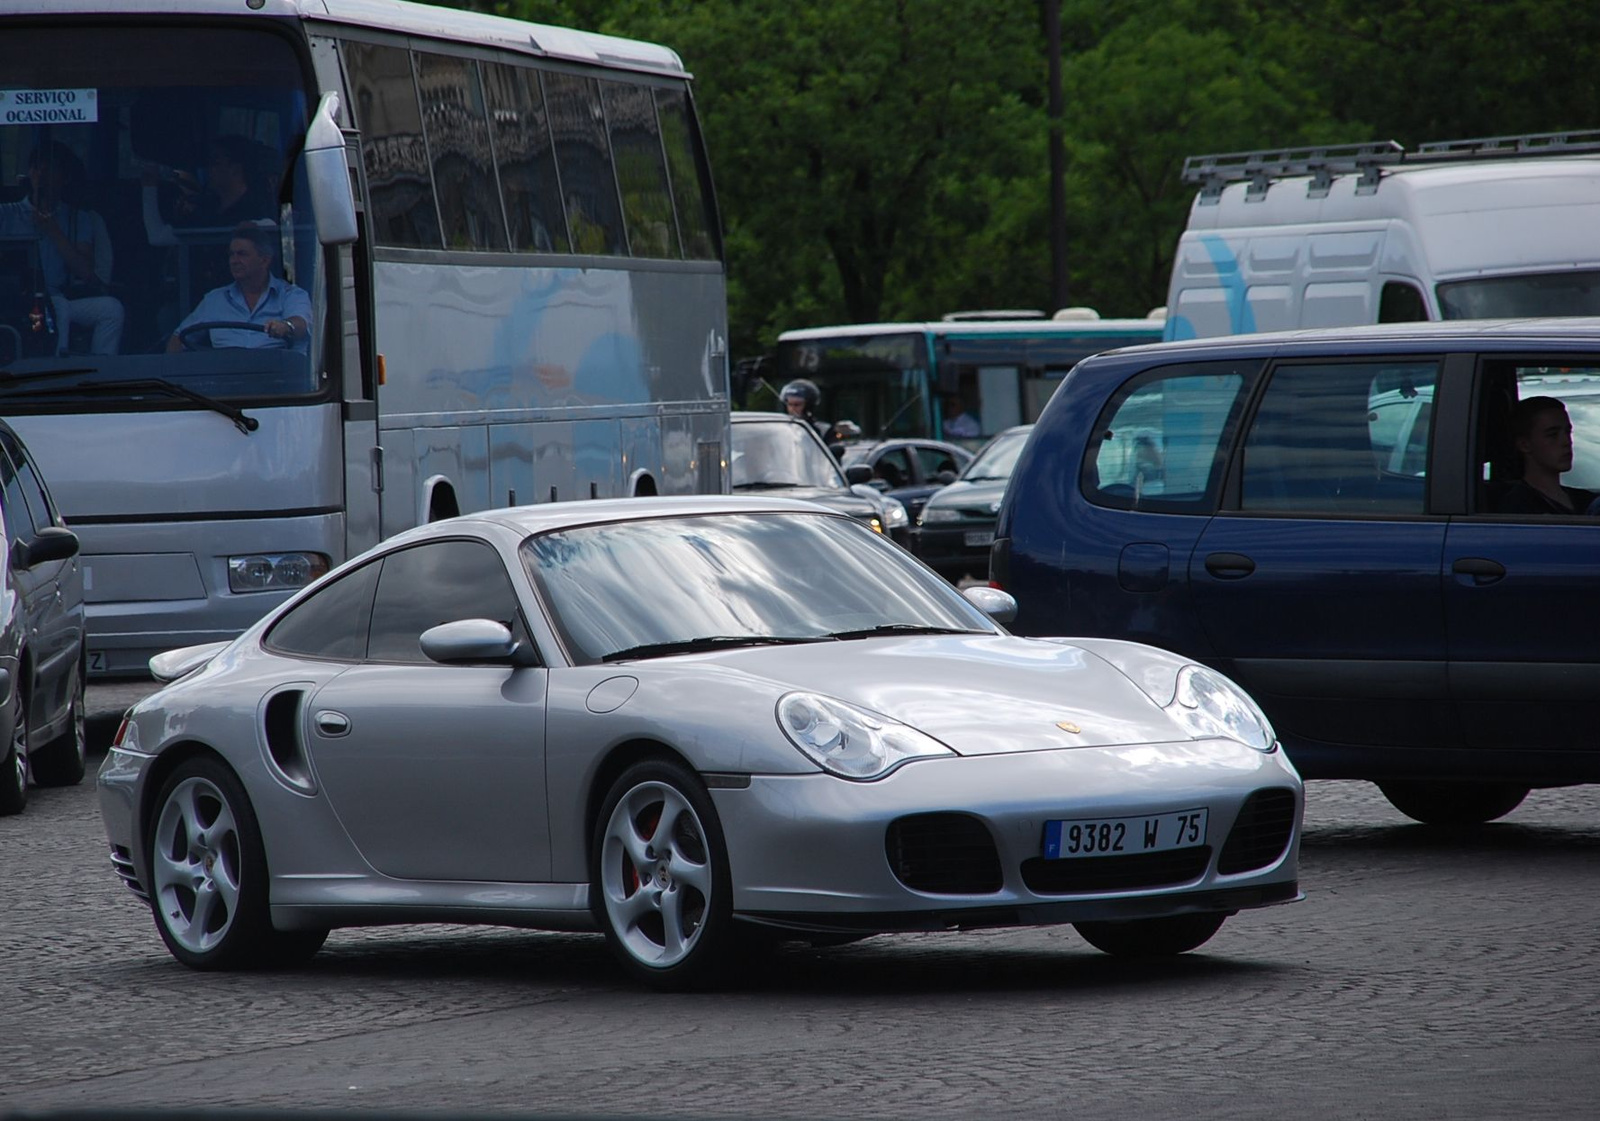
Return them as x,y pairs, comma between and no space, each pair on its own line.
814,851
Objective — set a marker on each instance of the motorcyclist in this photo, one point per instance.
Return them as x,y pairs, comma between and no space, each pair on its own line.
800,399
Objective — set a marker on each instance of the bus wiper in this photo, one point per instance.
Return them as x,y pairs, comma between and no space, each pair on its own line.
132,386
902,628
709,642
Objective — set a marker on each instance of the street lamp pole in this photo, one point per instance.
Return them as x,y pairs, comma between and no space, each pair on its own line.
1058,161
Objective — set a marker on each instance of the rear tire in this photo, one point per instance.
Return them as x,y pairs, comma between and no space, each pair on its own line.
1149,938
1454,803
209,879
64,760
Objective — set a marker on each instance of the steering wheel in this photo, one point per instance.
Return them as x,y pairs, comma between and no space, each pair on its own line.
184,336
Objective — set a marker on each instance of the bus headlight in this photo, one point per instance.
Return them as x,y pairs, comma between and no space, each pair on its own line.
274,572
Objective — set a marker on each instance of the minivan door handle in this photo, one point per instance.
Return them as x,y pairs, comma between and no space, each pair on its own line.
1481,570
331,723
1229,566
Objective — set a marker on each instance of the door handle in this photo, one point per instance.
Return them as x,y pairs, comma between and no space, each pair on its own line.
331,723
1230,566
1481,571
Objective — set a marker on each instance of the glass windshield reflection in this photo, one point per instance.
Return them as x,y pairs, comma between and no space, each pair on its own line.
780,453
762,576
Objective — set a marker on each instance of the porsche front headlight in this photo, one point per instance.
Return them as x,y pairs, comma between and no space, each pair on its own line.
849,741
1208,705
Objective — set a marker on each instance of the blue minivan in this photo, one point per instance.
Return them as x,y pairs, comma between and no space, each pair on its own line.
1335,519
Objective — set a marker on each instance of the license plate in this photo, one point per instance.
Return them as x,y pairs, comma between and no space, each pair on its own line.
979,538
1124,836
97,661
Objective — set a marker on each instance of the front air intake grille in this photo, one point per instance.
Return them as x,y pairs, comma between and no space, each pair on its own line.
122,864
1084,875
944,854
1261,833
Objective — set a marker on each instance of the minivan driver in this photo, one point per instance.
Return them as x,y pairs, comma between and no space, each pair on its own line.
269,310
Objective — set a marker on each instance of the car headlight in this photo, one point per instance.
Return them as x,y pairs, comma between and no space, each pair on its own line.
849,741
939,514
894,514
1208,705
274,572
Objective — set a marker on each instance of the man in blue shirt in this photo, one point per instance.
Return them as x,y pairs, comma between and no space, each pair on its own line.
259,309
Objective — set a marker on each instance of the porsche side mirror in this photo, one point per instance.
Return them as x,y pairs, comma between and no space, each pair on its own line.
475,641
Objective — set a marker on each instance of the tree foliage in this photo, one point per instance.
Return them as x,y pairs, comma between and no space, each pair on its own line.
888,159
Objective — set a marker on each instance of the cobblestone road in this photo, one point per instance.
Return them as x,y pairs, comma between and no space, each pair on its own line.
1429,974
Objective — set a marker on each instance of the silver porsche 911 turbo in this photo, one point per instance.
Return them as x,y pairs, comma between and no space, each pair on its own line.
698,725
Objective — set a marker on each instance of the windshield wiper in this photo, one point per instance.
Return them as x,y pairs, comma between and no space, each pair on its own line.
764,485
903,628
133,386
709,642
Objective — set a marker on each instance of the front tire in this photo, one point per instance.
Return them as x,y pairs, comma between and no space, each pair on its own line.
1150,938
1453,803
64,760
660,886
209,881
14,765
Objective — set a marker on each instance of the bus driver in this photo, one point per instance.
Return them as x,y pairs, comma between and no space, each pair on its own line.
258,309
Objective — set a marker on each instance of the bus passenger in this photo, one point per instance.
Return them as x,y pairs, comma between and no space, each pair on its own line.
74,254
258,309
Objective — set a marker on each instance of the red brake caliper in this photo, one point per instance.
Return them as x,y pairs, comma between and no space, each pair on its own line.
645,824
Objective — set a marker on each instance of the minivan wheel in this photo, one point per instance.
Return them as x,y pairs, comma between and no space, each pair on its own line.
14,763
63,761
1453,803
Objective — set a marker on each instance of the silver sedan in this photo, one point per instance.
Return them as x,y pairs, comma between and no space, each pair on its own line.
698,725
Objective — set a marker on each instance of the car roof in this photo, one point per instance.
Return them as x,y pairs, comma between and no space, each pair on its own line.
1548,333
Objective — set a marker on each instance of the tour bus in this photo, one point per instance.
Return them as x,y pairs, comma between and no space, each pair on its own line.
903,379
279,278
1489,228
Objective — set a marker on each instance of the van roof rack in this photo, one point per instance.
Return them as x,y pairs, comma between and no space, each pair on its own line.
1322,163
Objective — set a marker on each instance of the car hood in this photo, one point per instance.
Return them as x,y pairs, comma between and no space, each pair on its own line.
982,496
846,502
977,694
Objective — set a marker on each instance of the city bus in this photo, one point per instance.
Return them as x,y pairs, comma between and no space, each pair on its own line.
907,379
280,278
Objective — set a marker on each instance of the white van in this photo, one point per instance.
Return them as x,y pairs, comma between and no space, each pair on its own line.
1370,233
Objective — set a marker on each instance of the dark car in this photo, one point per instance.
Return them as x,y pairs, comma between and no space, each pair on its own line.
42,660
781,455
908,470
1336,520
956,527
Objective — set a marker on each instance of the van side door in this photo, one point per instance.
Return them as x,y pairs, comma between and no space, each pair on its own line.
1318,580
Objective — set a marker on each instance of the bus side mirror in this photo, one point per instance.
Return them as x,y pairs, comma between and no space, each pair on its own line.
328,173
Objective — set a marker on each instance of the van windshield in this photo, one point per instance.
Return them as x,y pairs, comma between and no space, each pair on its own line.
1569,292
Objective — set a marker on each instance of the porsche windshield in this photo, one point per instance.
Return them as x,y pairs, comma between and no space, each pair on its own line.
133,159
677,585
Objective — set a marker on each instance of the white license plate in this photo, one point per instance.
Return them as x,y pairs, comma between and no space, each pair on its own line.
979,538
1124,836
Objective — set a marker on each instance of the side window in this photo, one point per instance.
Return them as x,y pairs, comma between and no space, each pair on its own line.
894,467
583,156
935,460
458,141
1401,303
641,170
19,522
41,510
1532,463
1162,440
686,166
332,622
438,583
1336,438
525,159
393,151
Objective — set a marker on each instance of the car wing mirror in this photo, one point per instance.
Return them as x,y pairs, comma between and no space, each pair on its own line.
858,473
999,606
476,641
53,543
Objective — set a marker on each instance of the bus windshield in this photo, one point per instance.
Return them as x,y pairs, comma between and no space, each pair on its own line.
151,218
878,381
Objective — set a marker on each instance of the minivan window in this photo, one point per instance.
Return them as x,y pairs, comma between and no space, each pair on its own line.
1158,445
1341,438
